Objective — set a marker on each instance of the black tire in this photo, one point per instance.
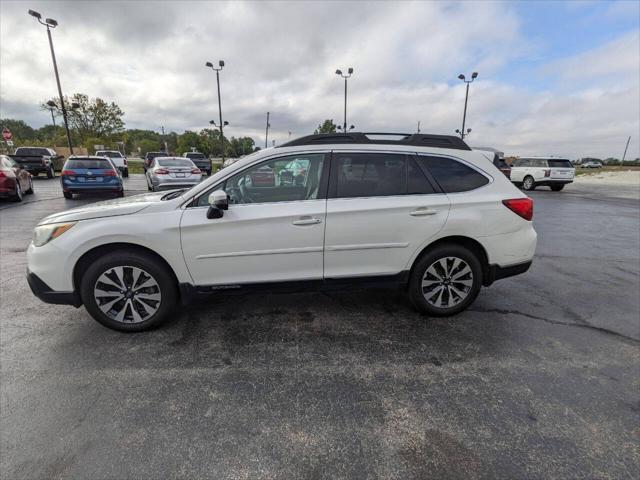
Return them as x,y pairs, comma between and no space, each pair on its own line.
67,195
50,172
120,193
125,174
165,284
30,190
419,272
557,188
528,183
17,197
209,173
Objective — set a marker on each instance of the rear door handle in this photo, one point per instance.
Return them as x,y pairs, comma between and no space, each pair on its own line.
422,211
307,221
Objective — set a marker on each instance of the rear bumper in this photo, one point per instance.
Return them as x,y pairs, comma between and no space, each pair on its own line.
47,295
496,272
551,181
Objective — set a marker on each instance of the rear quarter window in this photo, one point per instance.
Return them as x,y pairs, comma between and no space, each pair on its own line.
453,176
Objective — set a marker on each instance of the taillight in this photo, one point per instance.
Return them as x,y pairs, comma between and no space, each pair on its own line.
547,173
125,162
162,171
110,173
69,172
520,206
2,174
196,171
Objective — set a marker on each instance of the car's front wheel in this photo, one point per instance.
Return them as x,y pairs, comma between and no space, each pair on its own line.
129,292
445,281
528,183
17,196
50,172
30,189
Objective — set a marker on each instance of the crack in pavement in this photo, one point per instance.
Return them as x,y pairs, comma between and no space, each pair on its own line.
557,322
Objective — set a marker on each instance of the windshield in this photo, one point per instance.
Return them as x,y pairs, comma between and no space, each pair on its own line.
174,162
88,164
32,152
109,154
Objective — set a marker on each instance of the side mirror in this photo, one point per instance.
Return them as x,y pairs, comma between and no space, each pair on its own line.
218,203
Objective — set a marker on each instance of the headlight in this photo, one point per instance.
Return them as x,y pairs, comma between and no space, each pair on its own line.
45,233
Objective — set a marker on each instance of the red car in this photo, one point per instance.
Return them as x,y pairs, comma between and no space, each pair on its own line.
263,177
14,180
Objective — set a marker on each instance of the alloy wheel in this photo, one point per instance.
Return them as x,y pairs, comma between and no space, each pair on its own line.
127,294
528,183
447,282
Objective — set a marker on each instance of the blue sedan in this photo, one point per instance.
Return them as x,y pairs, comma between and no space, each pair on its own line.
90,174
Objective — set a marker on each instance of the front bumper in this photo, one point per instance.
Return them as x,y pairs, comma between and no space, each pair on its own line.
41,290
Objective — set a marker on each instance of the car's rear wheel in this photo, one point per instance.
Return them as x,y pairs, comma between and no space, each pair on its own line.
125,173
557,188
445,281
120,193
129,292
50,172
528,183
67,195
17,196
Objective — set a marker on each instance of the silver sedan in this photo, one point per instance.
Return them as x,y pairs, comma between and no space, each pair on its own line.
166,173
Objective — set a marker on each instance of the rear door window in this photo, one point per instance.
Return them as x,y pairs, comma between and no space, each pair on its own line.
453,176
370,174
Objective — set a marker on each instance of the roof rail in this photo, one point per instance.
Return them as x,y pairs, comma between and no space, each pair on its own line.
413,139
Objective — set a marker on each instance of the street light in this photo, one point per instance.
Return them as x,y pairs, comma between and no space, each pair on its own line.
217,70
350,128
51,23
462,132
266,134
213,123
349,73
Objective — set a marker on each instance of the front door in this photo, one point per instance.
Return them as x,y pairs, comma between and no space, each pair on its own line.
273,230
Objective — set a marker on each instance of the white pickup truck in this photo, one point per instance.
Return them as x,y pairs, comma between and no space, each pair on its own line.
118,159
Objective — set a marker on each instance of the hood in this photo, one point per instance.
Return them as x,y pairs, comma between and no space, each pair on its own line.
108,208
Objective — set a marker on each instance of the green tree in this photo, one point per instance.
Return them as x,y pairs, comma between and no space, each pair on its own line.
326,127
20,130
93,117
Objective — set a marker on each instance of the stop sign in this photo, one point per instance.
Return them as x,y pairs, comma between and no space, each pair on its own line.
6,134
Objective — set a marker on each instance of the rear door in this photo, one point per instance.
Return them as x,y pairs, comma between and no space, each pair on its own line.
381,208
561,169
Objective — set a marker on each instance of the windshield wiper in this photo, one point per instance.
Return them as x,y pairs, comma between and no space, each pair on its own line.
173,194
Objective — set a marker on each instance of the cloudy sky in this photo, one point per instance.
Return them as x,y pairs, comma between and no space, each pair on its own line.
554,78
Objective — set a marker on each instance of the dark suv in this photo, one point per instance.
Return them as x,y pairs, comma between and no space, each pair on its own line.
150,156
201,161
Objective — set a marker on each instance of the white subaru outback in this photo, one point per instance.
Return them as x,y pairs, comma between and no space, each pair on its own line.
421,211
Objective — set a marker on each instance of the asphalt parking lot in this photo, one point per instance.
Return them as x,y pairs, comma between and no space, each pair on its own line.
540,379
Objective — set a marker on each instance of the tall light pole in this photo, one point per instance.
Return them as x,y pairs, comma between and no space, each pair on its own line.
624,155
266,135
51,23
217,70
349,73
52,106
462,132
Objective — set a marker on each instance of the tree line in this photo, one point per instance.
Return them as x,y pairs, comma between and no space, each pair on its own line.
93,121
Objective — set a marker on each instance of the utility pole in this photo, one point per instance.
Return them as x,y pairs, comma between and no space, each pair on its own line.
164,142
217,70
418,127
624,155
266,135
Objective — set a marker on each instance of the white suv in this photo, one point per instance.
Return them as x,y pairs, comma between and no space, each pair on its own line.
421,211
532,172
118,159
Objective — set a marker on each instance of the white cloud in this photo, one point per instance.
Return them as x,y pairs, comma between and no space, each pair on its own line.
149,58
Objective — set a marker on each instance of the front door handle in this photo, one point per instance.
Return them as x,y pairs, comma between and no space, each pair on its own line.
422,211
307,221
